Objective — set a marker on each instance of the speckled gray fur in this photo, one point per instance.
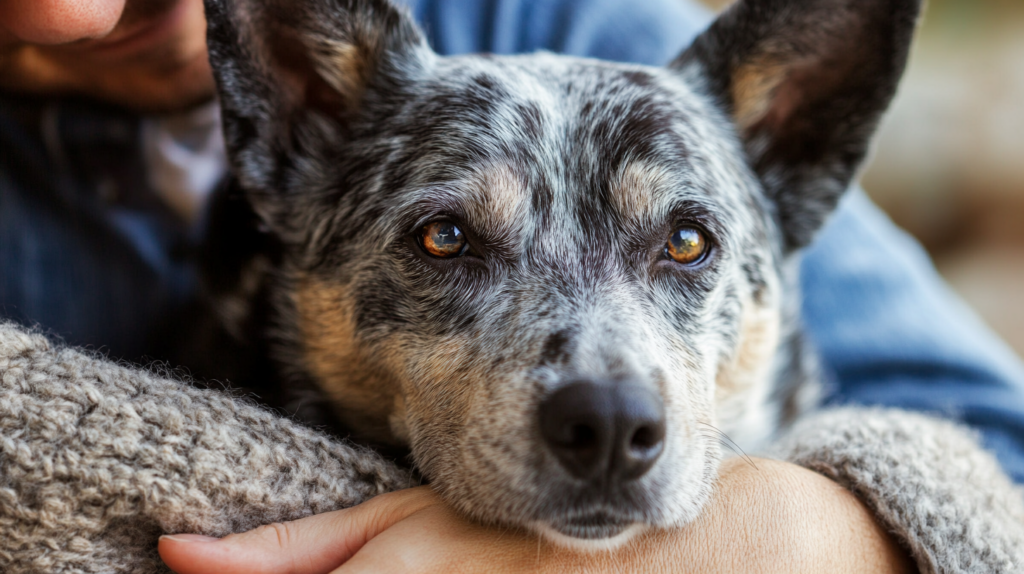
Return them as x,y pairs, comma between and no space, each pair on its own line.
97,460
567,176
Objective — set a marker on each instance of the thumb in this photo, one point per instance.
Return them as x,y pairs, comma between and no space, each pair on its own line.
312,545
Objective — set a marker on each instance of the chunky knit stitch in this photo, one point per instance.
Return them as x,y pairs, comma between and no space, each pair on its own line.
97,460
925,479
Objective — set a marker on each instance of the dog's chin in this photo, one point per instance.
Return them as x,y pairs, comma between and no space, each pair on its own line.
589,534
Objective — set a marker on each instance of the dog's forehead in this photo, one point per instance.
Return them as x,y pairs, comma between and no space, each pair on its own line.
568,137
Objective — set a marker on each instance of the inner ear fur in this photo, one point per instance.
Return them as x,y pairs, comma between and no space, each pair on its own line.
805,83
291,73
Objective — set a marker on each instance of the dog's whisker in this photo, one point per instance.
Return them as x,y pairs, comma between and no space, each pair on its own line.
539,537
731,444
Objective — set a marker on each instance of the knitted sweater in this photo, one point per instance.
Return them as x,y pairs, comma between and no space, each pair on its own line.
98,459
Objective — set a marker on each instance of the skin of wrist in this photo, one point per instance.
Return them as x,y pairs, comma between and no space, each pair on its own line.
806,521
772,517
766,516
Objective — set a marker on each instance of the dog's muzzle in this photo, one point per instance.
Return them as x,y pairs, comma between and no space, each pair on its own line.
606,435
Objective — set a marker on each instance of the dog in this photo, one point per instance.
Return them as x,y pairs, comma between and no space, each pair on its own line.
554,280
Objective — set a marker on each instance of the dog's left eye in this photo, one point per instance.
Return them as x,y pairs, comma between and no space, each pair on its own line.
687,245
443,239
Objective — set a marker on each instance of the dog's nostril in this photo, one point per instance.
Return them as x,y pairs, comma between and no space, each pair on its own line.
644,448
645,438
583,436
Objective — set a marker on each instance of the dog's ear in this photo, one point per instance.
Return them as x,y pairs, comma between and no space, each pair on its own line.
806,83
292,73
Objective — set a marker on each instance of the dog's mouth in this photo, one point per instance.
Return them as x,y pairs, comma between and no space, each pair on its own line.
600,526
589,532
593,526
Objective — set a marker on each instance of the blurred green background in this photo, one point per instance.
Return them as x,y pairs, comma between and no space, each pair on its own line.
948,164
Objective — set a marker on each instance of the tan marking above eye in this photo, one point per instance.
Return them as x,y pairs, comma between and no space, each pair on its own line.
443,239
686,245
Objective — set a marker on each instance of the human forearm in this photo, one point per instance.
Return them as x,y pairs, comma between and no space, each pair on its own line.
926,480
775,517
783,518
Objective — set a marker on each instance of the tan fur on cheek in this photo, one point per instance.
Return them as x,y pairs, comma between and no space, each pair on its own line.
398,420
393,392
751,365
443,396
362,392
744,382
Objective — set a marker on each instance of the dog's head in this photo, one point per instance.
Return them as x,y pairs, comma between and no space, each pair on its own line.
551,277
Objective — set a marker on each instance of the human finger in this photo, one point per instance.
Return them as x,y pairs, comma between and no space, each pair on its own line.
437,540
311,545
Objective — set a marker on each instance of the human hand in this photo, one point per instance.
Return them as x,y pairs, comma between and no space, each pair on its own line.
776,517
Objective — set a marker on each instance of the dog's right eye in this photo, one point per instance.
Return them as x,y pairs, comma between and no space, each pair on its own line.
443,239
687,246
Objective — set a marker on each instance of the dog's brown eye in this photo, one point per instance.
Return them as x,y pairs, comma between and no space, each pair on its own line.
443,239
687,245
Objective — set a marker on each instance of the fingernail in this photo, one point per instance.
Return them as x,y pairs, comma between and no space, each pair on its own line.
188,538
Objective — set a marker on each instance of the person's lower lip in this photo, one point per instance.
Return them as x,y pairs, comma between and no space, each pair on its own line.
145,35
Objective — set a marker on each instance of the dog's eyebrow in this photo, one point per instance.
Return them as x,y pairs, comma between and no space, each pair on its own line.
491,199
648,196
639,187
501,197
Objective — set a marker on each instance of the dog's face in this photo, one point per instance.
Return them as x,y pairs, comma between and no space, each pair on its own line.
534,233
552,278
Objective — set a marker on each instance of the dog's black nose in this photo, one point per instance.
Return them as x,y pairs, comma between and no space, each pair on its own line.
604,430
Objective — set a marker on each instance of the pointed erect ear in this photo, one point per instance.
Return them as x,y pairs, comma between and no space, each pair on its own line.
291,73
806,83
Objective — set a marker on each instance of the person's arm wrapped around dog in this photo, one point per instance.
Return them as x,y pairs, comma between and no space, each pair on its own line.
925,479
97,460
772,517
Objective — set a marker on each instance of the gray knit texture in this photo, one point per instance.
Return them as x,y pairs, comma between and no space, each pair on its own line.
926,479
97,460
